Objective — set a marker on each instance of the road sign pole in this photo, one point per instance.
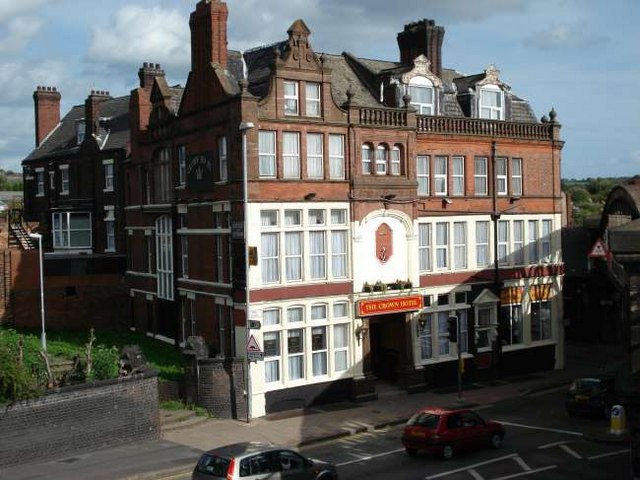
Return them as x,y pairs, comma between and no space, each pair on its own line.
459,360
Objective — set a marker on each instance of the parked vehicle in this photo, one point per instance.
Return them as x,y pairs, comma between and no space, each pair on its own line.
443,431
591,395
255,461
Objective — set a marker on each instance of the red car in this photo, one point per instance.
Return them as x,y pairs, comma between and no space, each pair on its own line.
444,431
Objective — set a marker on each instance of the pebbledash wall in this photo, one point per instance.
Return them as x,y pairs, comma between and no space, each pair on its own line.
80,418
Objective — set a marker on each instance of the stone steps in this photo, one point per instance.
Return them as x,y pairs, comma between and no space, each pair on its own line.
179,419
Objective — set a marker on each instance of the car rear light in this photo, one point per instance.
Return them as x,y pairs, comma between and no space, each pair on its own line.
230,470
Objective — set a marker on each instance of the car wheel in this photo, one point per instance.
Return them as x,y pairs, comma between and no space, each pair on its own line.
447,452
496,440
411,451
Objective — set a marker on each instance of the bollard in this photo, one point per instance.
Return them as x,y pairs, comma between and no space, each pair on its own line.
617,420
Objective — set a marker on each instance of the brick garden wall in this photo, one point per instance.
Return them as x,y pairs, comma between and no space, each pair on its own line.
80,418
217,385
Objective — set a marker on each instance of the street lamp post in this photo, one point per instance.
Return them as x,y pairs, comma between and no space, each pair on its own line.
244,128
495,216
43,335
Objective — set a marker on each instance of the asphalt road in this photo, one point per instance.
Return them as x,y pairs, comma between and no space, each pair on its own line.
542,442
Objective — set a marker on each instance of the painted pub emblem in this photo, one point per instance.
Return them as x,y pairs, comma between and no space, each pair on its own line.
384,243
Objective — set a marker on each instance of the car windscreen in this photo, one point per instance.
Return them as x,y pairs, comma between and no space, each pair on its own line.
212,465
586,385
424,419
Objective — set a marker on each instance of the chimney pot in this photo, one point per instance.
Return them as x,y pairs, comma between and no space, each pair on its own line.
208,25
147,73
46,102
423,37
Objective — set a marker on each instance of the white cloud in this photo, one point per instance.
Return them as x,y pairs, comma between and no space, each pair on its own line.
141,34
18,32
563,36
10,9
17,80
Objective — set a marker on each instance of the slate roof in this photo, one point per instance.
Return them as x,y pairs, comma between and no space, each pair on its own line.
114,130
364,76
176,98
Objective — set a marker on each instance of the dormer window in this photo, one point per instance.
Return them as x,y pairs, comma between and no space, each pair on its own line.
291,98
491,103
422,95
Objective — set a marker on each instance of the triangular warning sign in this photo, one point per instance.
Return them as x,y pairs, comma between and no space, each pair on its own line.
252,345
599,250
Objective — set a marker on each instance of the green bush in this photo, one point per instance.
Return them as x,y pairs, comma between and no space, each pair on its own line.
104,363
15,381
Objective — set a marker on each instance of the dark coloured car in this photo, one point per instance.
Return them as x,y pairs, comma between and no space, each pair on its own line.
444,431
255,461
591,395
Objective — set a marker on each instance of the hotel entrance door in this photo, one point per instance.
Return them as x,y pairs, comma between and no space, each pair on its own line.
388,347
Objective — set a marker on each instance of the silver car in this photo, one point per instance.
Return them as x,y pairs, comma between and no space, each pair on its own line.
254,461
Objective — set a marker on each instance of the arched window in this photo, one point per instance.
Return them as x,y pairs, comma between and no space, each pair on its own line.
422,95
382,157
396,160
367,158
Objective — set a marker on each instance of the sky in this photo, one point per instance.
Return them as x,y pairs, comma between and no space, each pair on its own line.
580,57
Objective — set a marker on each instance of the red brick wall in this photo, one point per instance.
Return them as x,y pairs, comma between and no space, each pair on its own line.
71,302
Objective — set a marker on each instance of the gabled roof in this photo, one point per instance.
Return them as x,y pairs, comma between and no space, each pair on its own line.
114,130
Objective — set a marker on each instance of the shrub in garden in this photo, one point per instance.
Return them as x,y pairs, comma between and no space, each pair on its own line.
104,363
16,382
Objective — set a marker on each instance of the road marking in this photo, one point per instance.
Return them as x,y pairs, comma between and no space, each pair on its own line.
571,451
608,454
469,467
370,457
532,427
475,475
528,472
548,390
522,463
554,444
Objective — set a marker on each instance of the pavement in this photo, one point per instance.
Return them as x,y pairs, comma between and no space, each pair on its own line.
185,436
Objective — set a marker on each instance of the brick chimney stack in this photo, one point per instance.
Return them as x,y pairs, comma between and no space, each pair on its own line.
148,72
92,111
423,37
46,102
208,25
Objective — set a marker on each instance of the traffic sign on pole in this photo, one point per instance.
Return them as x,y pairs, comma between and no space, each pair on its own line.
598,250
254,352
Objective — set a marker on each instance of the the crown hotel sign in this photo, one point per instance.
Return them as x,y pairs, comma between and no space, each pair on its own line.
389,305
